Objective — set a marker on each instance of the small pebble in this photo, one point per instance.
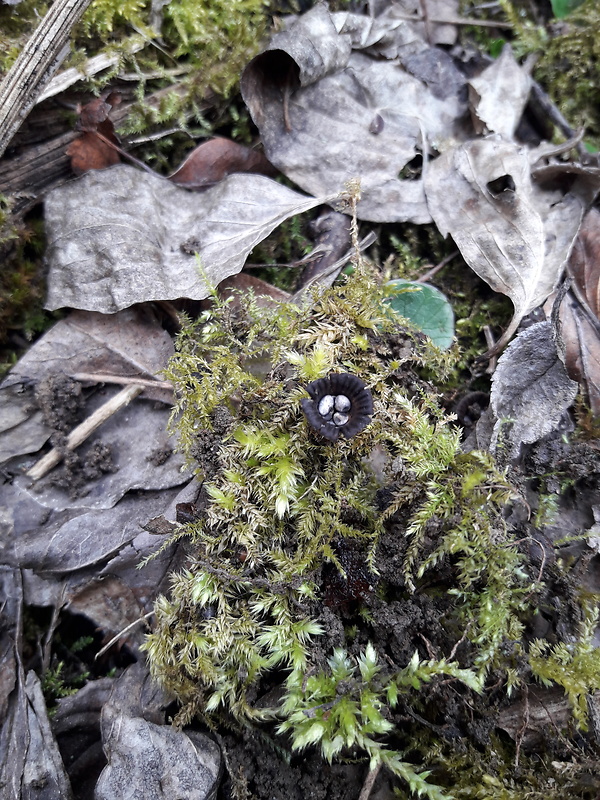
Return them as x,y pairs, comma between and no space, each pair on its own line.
342,403
340,419
326,405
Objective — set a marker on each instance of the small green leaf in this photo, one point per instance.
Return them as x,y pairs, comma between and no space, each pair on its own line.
425,306
562,8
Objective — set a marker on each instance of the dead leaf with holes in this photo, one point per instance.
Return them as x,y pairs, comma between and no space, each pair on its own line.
343,96
516,236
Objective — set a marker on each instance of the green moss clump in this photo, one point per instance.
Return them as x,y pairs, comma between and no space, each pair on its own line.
17,23
569,69
293,529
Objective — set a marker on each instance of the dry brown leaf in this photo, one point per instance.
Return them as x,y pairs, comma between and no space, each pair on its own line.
513,234
214,160
120,236
580,311
90,151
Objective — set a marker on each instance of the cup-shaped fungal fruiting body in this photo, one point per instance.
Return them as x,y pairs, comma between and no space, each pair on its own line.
339,404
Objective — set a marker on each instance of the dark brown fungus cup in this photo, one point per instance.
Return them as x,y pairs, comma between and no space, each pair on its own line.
339,404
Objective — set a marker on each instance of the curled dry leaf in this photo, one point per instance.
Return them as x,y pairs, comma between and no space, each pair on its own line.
580,311
499,95
120,236
330,109
530,389
514,235
214,160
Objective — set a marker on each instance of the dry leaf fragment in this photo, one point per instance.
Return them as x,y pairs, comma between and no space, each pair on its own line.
90,151
530,389
328,113
152,760
127,344
214,160
120,236
513,234
499,95
580,311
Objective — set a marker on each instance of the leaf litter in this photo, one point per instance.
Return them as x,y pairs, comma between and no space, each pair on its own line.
337,97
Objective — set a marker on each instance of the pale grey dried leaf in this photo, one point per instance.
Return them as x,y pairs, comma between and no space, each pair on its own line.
513,234
11,603
14,739
142,455
154,578
75,539
530,389
147,760
440,31
314,45
127,344
44,775
499,95
112,606
365,121
135,692
121,236
388,35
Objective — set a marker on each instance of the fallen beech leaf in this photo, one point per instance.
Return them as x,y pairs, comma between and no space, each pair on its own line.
214,160
120,236
30,763
499,95
89,151
513,234
434,32
530,389
329,113
584,264
580,311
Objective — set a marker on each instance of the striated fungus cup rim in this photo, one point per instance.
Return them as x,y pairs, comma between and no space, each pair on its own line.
341,405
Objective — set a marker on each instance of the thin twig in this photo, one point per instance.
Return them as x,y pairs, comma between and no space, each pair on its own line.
83,431
369,782
434,270
99,377
491,343
127,155
557,118
479,23
119,635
